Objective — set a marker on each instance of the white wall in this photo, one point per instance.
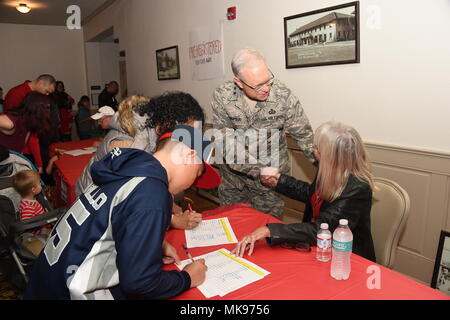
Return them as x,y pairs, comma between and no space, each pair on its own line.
398,94
102,64
30,50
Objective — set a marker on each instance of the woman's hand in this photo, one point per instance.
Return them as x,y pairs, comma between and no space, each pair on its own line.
169,254
248,242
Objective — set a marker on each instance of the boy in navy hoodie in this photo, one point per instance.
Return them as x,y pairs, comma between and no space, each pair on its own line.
110,243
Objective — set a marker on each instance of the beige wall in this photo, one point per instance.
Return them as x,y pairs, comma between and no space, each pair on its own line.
102,64
30,50
398,94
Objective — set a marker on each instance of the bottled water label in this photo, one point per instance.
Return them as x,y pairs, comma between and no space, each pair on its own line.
342,246
324,243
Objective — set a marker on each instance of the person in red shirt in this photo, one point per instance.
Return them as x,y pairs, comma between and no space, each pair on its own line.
27,183
1,99
44,84
64,103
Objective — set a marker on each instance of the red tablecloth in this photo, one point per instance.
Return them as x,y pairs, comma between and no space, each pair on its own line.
68,168
298,275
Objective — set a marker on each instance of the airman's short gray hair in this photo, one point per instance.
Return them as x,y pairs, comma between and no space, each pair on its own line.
243,57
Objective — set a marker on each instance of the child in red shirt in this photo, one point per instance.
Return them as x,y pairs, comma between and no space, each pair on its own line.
27,184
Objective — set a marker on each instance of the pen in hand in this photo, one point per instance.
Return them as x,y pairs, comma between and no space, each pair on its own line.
188,253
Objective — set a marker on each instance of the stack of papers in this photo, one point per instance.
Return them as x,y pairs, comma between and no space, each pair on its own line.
226,273
79,152
210,233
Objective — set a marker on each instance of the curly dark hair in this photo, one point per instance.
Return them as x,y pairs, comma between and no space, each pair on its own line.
35,110
170,109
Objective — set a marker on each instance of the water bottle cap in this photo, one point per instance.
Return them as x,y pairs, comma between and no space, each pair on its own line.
324,226
343,222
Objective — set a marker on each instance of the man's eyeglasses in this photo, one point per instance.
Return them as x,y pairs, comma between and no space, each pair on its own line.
299,246
260,86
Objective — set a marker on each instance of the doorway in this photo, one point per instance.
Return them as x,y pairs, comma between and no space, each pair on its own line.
105,63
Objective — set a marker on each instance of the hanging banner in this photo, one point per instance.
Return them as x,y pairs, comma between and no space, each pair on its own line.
206,52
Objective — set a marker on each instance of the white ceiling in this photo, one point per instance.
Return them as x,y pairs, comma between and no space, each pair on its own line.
45,12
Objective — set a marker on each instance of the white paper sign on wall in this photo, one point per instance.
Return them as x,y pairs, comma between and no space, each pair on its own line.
206,52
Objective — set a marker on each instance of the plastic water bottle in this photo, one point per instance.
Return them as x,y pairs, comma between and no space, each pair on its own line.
324,243
342,250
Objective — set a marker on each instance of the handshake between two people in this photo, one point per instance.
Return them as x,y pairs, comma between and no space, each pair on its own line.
269,177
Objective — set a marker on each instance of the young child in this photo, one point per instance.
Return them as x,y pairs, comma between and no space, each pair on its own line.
27,184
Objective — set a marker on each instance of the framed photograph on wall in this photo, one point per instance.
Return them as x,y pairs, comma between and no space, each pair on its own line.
322,37
168,63
441,274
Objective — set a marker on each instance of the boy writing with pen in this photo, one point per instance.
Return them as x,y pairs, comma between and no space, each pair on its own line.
110,243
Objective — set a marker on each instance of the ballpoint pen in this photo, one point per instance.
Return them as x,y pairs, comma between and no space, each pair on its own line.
187,252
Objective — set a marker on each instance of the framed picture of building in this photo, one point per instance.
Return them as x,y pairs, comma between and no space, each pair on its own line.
168,63
323,37
441,274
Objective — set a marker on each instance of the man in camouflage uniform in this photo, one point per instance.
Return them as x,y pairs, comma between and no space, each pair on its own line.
255,100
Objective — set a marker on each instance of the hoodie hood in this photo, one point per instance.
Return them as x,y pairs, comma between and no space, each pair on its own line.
124,164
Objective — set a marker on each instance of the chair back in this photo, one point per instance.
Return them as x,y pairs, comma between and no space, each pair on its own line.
390,210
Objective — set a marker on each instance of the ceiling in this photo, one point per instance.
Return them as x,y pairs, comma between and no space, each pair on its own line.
47,12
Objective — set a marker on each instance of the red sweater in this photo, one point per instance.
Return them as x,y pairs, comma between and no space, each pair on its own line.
15,96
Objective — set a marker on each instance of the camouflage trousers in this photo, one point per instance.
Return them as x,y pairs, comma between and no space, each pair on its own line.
259,197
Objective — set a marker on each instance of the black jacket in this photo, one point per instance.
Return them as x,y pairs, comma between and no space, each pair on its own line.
107,99
354,204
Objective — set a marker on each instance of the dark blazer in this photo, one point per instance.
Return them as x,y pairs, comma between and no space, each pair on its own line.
107,99
354,204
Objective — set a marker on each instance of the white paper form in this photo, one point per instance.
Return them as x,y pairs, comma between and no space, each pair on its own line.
226,273
79,152
210,233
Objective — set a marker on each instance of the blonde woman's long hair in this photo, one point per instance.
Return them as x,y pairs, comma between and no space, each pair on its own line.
342,153
126,115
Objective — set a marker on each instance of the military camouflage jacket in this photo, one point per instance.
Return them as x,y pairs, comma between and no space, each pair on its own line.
281,111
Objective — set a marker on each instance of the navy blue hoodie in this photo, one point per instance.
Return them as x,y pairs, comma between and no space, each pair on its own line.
109,243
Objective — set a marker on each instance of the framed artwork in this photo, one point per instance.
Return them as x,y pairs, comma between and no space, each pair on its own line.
168,63
441,274
322,37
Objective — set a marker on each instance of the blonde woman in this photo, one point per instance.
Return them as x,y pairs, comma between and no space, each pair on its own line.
138,124
124,126
342,190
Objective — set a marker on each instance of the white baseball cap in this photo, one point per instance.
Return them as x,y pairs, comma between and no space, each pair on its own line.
102,112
